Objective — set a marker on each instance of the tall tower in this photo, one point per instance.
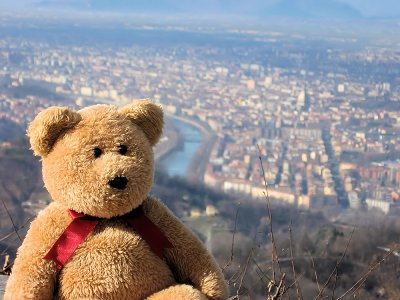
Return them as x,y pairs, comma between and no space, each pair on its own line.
303,101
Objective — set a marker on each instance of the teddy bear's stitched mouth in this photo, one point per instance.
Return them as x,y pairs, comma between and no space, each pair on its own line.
119,182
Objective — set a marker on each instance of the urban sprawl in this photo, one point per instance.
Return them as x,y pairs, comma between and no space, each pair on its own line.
327,130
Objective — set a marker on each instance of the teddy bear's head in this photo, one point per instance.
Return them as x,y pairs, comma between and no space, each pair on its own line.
98,160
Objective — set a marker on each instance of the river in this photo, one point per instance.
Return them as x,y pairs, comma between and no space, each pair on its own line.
176,163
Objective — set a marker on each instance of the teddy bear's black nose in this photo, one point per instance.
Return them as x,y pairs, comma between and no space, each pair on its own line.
118,182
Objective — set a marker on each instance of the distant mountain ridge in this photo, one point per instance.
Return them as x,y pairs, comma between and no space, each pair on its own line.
314,9
286,8
262,8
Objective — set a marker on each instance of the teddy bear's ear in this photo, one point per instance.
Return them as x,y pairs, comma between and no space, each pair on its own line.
48,125
148,116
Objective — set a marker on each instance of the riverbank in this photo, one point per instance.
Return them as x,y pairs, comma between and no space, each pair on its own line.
171,142
199,160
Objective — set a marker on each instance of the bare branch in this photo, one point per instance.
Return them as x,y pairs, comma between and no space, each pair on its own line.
286,289
274,254
315,271
244,273
260,270
279,289
298,290
336,266
372,268
13,232
10,217
235,276
334,285
233,240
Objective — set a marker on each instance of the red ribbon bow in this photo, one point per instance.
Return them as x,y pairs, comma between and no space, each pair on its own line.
82,225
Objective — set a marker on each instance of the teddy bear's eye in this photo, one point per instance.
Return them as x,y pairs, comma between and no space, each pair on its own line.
122,149
97,152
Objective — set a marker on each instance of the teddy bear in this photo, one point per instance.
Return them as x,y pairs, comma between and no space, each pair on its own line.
103,236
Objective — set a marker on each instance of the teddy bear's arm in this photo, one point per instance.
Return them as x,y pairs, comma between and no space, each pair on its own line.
32,276
189,259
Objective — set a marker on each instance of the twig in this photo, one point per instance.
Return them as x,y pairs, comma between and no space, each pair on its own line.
372,268
233,240
334,285
10,217
274,254
271,232
261,275
7,236
235,276
336,266
298,290
13,232
4,252
292,284
260,270
244,272
278,291
315,271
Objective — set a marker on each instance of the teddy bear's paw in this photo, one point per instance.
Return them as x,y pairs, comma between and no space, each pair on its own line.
178,292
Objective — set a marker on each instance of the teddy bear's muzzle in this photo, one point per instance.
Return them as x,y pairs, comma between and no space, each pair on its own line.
118,182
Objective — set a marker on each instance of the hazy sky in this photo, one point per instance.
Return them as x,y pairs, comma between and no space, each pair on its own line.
368,8
376,7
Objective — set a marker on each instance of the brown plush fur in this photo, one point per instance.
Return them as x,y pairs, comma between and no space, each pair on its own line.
113,262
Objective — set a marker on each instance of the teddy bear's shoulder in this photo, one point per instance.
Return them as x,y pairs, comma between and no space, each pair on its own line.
48,225
54,215
157,211
170,225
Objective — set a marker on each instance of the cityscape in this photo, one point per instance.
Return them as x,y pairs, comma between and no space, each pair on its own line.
323,116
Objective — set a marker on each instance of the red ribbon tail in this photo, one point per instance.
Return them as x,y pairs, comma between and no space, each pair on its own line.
69,240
